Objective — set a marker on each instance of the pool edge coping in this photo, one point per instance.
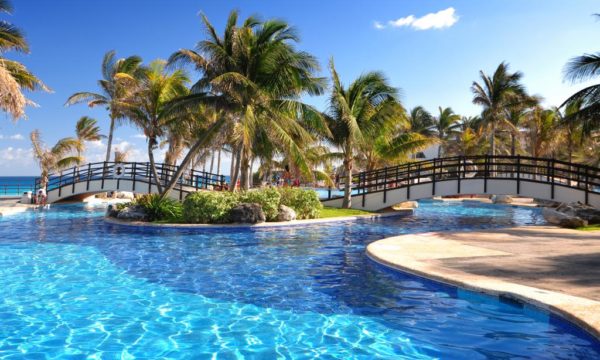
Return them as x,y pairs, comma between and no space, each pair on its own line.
562,304
293,223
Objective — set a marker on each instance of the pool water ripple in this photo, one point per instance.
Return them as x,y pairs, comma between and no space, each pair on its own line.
73,286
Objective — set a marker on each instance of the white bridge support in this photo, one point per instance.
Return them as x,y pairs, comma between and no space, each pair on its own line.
546,179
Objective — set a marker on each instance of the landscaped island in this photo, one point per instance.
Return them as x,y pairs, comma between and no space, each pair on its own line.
223,207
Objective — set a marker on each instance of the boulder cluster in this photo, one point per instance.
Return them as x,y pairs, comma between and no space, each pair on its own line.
572,215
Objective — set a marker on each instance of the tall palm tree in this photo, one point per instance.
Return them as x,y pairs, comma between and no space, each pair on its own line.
59,157
445,126
357,114
14,76
86,129
256,74
542,132
571,127
497,95
148,108
421,121
578,69
118,75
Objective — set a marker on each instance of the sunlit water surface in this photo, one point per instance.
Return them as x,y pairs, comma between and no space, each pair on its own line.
72,286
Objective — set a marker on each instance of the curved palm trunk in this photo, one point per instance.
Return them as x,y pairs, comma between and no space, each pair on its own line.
200,142
110,138
153,166
493,139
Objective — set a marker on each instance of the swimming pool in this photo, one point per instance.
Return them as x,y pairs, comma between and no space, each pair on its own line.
71,285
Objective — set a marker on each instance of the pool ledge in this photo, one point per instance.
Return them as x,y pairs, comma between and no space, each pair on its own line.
424,254
401,212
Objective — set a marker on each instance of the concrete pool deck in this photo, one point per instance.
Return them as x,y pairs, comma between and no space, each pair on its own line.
553,268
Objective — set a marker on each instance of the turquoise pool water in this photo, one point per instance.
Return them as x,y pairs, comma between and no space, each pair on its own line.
72,286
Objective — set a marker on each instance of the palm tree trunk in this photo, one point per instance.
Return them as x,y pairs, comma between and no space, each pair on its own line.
513,144
236,169
245,169
202,141
347,204
153,165
219,161
212,162
493,138
251,174
110,137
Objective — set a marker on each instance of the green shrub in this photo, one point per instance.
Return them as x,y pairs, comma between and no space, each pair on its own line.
306,203
209,206
267,198
158,209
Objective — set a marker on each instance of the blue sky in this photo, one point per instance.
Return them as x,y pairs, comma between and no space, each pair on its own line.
433,59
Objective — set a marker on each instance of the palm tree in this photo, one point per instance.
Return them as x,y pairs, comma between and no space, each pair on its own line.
118,75
445,126
542,132
497,95
469,139
357,115
587,100
14,76
56,158
148,108
86,129
254,73
421,122
571,127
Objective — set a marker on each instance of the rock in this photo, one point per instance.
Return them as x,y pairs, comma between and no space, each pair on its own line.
125,195
248,213
112,211
407,205
553,216
546,203
133,213
502,199
586,212
286,213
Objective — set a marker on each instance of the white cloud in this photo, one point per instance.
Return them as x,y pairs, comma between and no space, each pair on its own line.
139,136
378,25
438,20
12,137
20,156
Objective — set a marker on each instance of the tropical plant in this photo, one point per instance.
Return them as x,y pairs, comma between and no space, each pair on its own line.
445,126
267,198
57,158
305,203
497,95
421,122
209,206
542,132
86,129
571,127
148,107
357,115
587,100
14,76
157,208
118,75
254,73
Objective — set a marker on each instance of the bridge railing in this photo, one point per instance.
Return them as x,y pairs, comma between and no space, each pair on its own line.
140,174
542,170
16,189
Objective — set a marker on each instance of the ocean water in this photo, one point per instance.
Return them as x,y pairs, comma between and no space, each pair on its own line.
72,286
16,185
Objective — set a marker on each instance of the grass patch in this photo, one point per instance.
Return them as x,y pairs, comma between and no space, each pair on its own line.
589,228
329,212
